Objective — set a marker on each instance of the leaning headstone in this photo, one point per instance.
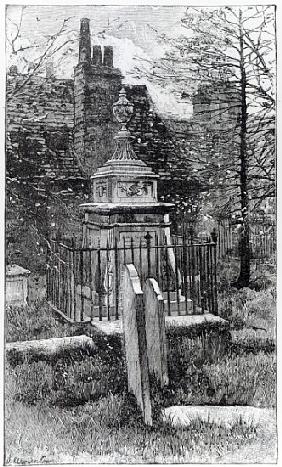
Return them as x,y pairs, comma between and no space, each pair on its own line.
134,327
155,330
16,285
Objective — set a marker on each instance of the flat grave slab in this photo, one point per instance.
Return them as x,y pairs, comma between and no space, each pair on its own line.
115,326
183,416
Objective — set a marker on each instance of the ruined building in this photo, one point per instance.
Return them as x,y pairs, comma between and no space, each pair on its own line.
69,123
58,131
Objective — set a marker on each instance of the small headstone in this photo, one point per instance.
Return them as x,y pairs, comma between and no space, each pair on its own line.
155,330
16,285
135,341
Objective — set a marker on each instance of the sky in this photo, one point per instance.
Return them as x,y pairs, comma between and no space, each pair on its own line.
130,29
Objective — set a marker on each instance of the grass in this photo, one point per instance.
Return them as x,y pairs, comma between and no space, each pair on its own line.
69,380
253,307
109,430
76,409
35,322
247,379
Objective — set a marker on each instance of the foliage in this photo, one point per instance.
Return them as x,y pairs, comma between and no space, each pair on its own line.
107,424
206,65
240,380
67,382
35,203
33,57
36,321
34,212
74,408
73,379
226,55
250,311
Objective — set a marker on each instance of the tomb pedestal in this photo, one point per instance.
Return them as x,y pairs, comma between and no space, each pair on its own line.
16,285
125,217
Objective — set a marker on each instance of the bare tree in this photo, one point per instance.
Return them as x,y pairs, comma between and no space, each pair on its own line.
50,47
232,50
34,199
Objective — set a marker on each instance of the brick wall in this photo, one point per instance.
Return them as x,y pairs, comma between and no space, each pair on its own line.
40,116
96,88
95,91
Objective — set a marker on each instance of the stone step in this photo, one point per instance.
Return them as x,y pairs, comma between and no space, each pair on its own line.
182,307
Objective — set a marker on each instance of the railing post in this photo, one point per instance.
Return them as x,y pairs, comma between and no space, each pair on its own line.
53,289
65,281
81,285
48,270
157,256
148,245
140,261
108,280
99,284
215,282
176,278
116,280
202,298
214,272
91,285
193,294
167,276
185,271
73,276
211,276
132,250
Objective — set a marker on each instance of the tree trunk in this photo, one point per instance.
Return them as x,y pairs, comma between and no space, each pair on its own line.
244,276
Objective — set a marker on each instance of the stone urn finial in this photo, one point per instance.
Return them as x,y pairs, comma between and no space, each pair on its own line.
123,110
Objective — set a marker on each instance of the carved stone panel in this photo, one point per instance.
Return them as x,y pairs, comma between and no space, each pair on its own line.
135,189
101,190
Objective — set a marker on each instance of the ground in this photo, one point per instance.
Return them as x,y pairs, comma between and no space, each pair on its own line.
75,408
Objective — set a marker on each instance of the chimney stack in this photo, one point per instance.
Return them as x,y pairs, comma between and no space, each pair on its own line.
84,41
108,56
97,55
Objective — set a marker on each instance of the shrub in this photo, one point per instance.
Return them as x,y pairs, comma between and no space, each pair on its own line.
249,308
244,380
30,382
67,382
241,380
36,321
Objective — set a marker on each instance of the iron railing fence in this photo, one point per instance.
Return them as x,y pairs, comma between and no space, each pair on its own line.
86,283
262,240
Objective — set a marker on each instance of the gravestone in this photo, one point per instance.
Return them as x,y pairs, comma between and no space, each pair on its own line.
16,285
155,331
134,326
